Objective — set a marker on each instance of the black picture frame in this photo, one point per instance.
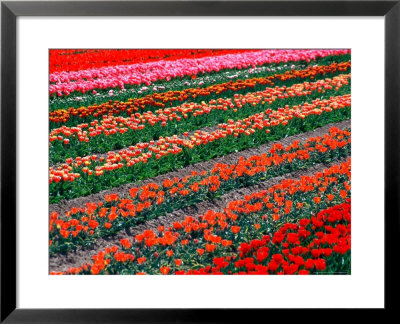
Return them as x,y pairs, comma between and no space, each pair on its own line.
10,10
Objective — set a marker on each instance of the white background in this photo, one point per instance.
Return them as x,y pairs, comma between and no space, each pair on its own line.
363,288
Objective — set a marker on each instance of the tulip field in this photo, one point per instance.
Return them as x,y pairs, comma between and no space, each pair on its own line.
199,161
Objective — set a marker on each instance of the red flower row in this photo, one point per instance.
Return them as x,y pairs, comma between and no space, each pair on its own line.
237,241
307,246
76,59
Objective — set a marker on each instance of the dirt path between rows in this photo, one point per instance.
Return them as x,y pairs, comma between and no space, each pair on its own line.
123,191
83,256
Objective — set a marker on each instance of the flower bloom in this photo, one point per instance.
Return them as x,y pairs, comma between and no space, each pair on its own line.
235,229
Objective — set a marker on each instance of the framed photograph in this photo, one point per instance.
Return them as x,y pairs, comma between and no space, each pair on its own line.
163,158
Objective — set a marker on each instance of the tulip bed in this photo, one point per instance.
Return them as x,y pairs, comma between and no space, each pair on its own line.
127,118
265,232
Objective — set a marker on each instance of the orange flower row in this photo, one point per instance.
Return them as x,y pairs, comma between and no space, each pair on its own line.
142,152
115,210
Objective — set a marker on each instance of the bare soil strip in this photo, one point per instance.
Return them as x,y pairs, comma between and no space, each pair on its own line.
123,190
83,256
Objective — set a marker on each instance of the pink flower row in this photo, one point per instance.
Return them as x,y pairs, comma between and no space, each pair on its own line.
146,73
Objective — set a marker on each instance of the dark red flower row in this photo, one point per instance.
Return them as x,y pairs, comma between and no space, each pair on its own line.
317,245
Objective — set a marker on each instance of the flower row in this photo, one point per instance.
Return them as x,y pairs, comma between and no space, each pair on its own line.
146,160
266,232
162,100
151,200
75,59
175,144
100,96
320,245
114,132
146,73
